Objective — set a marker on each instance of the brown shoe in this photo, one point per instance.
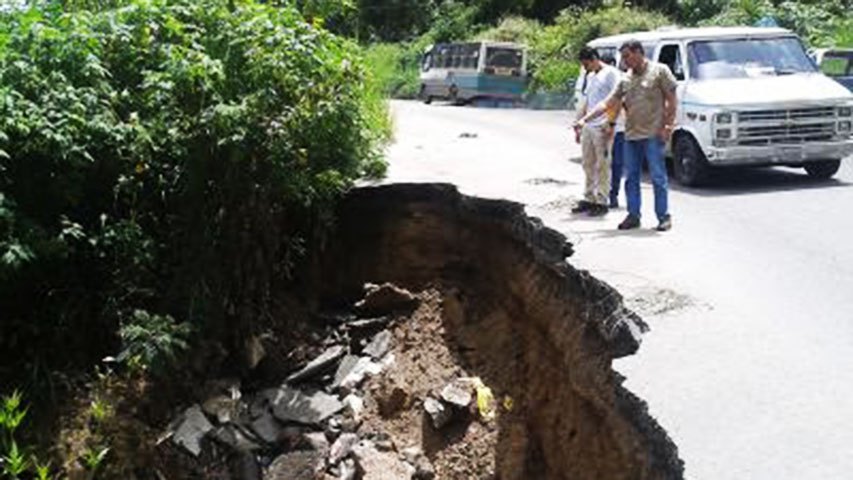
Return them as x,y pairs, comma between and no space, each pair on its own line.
597,210
582,206
630,222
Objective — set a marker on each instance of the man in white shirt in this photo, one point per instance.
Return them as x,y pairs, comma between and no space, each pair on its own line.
598,81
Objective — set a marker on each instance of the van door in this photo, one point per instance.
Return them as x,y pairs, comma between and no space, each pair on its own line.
672,55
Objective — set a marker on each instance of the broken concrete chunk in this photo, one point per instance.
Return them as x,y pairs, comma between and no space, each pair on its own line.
291,405
348,470
192,429
224,407
300,465
458,393
438,414
368,323
266,428
386,298
325,361
380,345
376,465
317,441
363,368
342,447
346,367
411,454
353,406
233,437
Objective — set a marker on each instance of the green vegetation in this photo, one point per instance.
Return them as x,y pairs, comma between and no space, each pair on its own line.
554,31
163,165
16,462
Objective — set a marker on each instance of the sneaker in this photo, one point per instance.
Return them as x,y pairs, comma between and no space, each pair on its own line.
665,224
597,210
582,206
630,222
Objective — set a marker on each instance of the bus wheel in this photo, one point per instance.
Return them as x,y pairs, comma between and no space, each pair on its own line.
427,99
453,95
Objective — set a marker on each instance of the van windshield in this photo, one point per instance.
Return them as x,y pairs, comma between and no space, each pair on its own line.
745,58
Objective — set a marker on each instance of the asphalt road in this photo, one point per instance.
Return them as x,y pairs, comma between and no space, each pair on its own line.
749,363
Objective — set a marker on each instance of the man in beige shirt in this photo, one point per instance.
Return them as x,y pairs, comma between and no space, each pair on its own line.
648,95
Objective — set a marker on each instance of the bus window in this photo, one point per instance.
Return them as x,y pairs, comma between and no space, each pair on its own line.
504,60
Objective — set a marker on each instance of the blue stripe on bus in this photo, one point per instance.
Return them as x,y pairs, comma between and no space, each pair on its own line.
490,83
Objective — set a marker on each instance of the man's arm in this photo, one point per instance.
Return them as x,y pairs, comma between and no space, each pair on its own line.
669,85
611,102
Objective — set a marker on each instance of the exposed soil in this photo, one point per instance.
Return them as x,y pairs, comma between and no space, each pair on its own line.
496,301
514,313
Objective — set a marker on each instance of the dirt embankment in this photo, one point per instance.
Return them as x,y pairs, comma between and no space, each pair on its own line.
514,313
478,352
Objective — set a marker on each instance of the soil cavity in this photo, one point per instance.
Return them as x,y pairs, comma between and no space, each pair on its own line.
499,304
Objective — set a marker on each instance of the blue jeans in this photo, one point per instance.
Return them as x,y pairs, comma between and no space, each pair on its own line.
650,149
617,167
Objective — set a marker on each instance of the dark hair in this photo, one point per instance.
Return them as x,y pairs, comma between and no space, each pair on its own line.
632,45
588,53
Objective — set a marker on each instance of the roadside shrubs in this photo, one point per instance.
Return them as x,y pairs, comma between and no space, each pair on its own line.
165,157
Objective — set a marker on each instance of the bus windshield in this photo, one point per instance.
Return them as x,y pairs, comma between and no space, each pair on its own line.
745,58
503,57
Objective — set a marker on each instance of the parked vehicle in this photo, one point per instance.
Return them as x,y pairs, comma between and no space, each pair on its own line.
837,64
747,97
460,72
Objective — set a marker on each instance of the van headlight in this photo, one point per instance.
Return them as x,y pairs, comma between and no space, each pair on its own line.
725,134
845,111
723,118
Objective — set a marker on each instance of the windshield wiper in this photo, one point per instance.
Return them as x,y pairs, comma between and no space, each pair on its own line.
786,71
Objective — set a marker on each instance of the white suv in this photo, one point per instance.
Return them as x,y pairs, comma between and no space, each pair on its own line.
747,96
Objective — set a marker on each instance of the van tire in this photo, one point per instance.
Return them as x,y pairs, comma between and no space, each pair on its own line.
823,169
689,166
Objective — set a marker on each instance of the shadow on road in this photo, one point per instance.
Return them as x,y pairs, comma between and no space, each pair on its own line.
741,181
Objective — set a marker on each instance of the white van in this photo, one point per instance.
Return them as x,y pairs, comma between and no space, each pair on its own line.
747,96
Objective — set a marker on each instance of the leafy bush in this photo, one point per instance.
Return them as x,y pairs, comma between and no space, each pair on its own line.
814,22
169,156
152,341
553,55
395,68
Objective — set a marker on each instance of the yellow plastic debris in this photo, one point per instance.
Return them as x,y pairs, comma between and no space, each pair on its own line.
485,400
508,403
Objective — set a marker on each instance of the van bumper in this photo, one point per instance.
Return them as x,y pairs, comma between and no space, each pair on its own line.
780,154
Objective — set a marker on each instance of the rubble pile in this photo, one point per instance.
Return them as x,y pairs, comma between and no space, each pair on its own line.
498,366
325,421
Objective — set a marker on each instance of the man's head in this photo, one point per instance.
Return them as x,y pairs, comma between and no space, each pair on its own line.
632,54
588,57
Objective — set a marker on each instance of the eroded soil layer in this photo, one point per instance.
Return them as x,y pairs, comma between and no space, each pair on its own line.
516,314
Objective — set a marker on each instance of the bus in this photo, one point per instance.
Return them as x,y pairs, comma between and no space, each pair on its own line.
461,72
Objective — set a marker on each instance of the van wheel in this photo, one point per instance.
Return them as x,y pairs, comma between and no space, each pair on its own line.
689,166
823,169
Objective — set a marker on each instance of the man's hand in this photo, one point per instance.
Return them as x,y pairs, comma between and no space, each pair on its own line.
665,133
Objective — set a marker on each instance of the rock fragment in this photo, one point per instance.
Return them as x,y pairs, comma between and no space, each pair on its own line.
290,405
191,430
318,365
